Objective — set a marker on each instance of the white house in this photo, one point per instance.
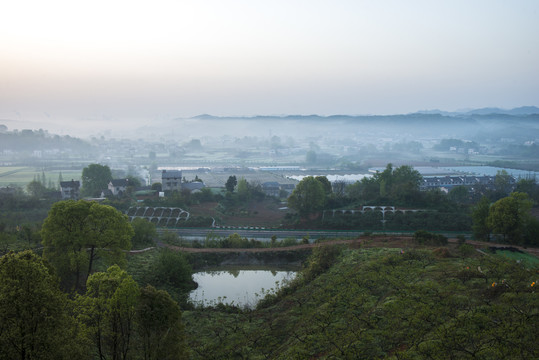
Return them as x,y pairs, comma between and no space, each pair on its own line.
70,189
171,180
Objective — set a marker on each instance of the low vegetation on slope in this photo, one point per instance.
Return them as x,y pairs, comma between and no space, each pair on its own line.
382,303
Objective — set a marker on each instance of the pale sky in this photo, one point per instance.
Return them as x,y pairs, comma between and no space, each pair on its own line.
231,57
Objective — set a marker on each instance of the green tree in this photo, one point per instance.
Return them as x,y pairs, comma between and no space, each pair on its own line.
157,186
403,185
145,232
509,216
502,182
36,189
95,178
308,197
108,309
231,183
480,213
366,190
243,190
76,233
172,271
325,183
34,320
459,194
159,326
530,187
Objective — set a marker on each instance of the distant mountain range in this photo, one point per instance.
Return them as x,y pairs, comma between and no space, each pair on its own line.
523,110
519,111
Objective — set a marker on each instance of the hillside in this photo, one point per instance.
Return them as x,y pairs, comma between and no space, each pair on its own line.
383,303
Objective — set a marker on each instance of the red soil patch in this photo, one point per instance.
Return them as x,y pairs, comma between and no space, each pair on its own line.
265,213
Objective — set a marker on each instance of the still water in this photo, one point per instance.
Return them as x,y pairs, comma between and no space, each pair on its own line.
243,288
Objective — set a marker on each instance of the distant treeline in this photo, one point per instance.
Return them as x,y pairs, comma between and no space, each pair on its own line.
35,140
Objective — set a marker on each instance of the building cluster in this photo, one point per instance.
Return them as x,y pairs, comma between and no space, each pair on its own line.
449,182
171,180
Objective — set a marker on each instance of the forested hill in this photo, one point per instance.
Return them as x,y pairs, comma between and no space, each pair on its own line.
31,140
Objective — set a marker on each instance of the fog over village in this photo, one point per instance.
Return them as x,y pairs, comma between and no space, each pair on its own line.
269,180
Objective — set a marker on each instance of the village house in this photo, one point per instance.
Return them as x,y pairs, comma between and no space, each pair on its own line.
449,182
70,189
118,186
171,180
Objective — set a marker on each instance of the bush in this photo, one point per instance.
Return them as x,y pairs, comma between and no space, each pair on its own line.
461,239
466,250
322,258
423,237
172,272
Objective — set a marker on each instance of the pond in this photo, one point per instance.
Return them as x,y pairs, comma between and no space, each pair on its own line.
243,288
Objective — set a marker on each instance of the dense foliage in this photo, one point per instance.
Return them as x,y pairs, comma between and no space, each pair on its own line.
384,303
113,319
95,178
77,233
508,218
34,319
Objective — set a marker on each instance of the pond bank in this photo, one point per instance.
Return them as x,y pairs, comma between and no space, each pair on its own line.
290,258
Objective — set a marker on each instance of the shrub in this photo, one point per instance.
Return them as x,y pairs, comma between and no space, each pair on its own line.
466,249
461,239
426,238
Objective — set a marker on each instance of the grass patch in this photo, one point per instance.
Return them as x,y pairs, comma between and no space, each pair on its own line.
526,259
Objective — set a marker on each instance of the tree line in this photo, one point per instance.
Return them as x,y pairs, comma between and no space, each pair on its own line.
57,305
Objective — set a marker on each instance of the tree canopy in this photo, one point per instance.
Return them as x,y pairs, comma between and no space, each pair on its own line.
108,309
144,232
231,183
509,216
76,233
34,320
308,197
159,325
95,178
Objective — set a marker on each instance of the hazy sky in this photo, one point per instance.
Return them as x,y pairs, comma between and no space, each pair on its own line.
231,57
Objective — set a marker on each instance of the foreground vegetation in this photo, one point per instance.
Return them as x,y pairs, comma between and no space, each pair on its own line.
382,303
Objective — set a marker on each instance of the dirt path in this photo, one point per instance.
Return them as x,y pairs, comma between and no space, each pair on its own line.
254,250
389,241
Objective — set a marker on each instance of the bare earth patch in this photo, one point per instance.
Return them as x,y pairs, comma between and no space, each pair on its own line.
262,214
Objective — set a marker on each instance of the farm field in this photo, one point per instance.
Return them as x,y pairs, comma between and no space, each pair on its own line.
21,176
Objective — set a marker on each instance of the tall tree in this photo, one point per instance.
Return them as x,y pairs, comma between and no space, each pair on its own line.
231,183
325,183
159,326
145,232
36,189
76,233
95,178
509,216
171,271
481,228
502,182
243,189
108,309
308,197
34,320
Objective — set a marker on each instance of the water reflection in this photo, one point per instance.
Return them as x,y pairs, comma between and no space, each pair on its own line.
242,288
